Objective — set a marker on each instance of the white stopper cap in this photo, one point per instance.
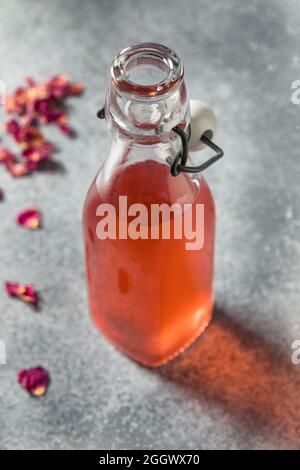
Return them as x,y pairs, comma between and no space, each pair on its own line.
203,120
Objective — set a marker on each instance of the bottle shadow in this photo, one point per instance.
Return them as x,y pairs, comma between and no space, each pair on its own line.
51,166
245,374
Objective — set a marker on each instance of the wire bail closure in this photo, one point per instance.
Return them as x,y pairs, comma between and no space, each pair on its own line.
178,164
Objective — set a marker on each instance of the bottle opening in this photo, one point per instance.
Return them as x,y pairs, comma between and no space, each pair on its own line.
146,70
147,93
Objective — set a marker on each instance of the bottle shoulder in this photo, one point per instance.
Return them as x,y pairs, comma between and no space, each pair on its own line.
147,182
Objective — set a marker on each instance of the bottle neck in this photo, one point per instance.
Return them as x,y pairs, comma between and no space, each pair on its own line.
127,149
139,169
147,95
146,99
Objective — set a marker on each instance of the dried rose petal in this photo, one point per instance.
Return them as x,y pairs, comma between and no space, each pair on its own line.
40,152
19,168
66,129
76,89
34,380
64,126
24,132
32,105
23,292
34,155
37,97
12,127
29,218
58,86
6,154
16,102
30,81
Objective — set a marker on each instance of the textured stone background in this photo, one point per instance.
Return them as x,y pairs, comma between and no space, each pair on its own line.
236,387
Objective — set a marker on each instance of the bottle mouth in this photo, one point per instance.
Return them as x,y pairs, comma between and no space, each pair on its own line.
146,70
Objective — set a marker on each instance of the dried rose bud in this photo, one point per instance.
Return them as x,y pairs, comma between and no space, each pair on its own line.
23,292
35,380
29,218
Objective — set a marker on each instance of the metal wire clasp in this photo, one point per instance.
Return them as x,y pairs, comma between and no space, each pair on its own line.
178,164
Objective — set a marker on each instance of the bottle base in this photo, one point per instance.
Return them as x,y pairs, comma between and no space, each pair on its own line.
171,357
168,358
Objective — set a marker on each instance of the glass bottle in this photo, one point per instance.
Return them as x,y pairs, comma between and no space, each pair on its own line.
150,295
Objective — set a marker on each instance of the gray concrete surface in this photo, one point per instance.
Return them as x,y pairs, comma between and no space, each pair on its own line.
236,388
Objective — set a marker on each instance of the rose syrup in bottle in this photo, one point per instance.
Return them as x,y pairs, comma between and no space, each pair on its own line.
152,297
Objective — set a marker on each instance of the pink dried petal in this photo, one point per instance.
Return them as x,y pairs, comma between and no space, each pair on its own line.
35,104
34,155
20,168
29,135
58,86
33,94
30,81
16,103
29,218
64,126
27,120
39,153
76,89
59,81
6,154
12,127
44,147
23,292
42,107
17,169
35,380
24,132
61,87
48,113
66,129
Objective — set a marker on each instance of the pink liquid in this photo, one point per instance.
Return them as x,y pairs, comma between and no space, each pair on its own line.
151,298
